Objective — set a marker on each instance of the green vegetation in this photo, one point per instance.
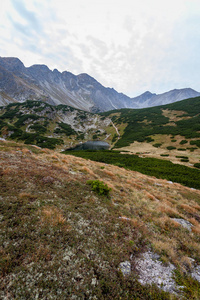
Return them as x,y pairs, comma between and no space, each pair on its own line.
59,240
150,166
171,148
64,128
41,129
157,145
183,142
190,286
157,123
196,142
19,120
184,159
99,186
197,165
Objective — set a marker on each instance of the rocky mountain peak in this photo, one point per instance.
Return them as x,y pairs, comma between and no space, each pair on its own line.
12,64
38,82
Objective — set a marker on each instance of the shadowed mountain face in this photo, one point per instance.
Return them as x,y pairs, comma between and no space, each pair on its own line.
38,82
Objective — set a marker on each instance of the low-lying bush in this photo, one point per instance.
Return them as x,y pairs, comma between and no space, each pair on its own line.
99,186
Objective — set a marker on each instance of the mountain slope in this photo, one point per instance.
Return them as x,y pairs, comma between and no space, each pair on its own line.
62,239
148,99
38,82
61,126
171,131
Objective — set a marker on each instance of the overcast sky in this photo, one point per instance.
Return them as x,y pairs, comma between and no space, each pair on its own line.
130,45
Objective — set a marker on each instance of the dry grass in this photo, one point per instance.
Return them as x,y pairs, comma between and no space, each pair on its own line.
148,150
52,216
66,219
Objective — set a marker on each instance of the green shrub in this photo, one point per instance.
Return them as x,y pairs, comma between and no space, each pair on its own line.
173,141
197,143
159,168
95,137
181,149
183,142
184,159
164,155
171,147
157,145
99,186
197,165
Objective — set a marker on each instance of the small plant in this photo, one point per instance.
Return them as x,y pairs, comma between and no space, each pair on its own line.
171,148
99,186
197,165
157,145
184,159
183,142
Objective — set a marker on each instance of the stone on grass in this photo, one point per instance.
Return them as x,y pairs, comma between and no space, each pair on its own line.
184,223
125,267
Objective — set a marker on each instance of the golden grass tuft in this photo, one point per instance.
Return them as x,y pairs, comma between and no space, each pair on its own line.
150,196
193,221
168,210
26,151
25,195
109,173
52,216
87,170
188,208
196,229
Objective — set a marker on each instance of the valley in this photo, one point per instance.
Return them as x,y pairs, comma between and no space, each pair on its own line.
122,223
170,132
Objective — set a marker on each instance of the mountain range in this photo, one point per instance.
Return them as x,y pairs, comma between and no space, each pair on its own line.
19,83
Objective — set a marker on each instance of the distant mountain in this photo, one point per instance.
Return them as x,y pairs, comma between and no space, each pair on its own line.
38,82
148,99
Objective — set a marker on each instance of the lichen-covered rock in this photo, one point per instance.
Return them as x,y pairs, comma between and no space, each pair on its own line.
184,223
153,271
125,267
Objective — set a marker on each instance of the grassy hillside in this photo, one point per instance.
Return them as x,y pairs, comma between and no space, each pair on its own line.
62,239
149,166
180,118
170,132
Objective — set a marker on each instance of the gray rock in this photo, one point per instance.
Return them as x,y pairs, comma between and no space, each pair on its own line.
153,271
196,273
125,267
184,223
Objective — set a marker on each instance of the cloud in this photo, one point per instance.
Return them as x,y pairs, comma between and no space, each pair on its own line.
29,16
130,45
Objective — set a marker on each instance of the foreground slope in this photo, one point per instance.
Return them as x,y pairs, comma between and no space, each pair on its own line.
62,240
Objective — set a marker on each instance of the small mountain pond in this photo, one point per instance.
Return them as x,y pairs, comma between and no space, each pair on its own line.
91,145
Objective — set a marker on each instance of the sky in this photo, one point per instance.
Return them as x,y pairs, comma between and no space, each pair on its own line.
132,46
